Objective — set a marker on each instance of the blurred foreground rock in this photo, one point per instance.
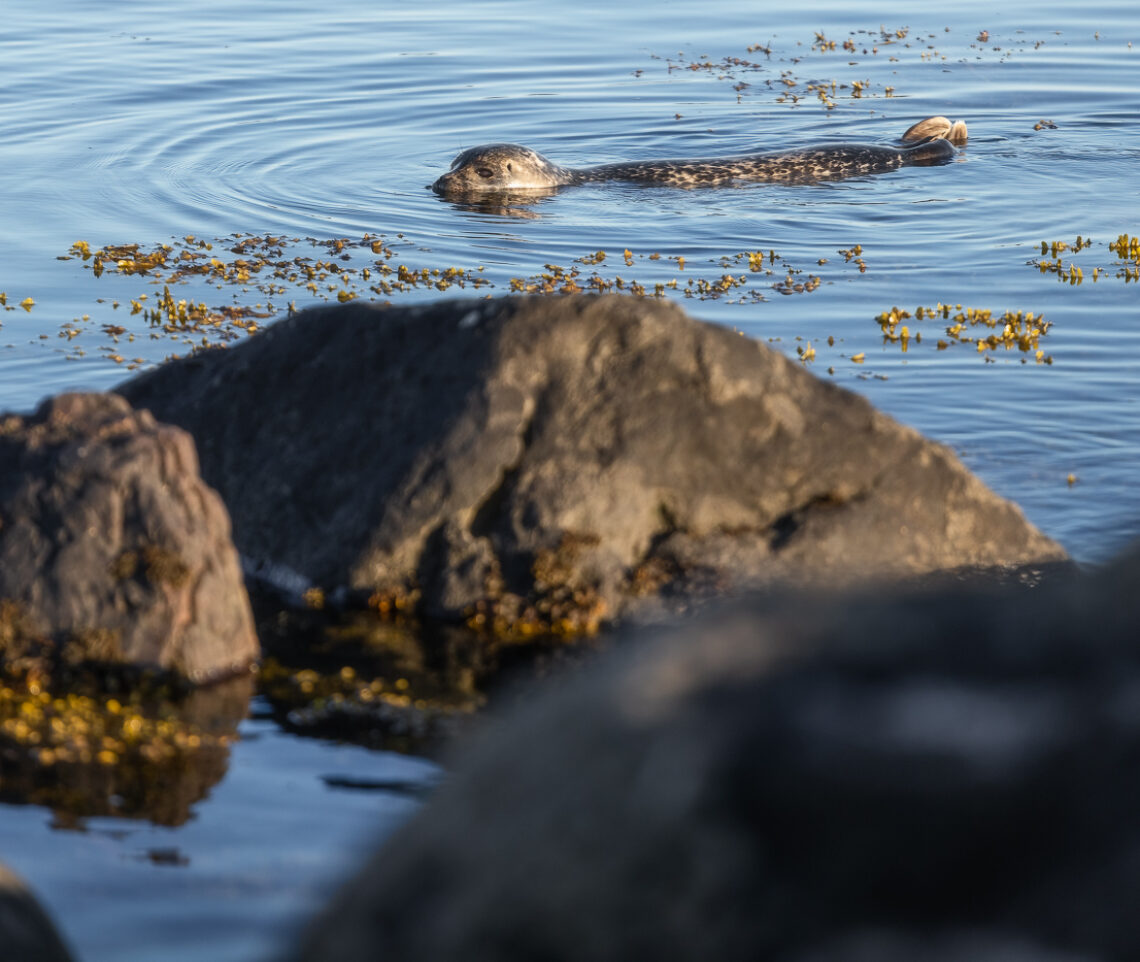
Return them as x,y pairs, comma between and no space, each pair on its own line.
112,549
948,775
536,464
26,933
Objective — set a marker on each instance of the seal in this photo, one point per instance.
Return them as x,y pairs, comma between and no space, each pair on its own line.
511,167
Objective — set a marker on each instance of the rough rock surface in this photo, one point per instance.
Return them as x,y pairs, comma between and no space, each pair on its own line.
112,546
951,776
559,458
26,933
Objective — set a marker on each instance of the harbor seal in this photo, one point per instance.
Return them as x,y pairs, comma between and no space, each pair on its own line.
511,167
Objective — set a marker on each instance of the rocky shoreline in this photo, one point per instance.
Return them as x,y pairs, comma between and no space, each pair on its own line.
506,474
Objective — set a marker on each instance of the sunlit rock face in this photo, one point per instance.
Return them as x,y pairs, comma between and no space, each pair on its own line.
554,464
112,549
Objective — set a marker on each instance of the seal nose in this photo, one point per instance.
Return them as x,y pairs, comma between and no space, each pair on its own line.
441,185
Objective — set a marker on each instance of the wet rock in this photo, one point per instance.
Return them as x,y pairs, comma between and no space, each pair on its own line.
947,774
536,463
112,549
26,933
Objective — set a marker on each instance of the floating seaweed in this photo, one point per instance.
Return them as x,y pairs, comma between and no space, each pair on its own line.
1010,330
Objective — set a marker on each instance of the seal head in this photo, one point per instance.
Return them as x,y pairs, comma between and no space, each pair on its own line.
501,167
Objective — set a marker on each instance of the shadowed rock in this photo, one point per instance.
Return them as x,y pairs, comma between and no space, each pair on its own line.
947,775
112,549
556,461
26,933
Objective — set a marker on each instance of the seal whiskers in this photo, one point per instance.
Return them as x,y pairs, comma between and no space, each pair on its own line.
510,167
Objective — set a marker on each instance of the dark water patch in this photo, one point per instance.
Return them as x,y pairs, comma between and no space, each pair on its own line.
352,784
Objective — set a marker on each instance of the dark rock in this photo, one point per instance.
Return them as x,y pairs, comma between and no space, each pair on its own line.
949,775
966,946
26,933
112,546
553,461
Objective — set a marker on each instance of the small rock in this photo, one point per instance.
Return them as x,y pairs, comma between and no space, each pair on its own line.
26,933
112,547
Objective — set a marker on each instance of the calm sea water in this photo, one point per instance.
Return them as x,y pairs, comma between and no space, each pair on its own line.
130,124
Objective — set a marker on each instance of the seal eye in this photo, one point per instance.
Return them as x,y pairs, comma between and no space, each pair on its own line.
485,172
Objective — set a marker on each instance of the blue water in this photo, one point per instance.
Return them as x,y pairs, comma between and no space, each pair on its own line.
269,843
130,123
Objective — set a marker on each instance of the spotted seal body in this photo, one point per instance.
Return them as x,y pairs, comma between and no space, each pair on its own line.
510,167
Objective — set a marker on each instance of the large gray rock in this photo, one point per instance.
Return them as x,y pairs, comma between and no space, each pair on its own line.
26,933
951,776
111,546
553,460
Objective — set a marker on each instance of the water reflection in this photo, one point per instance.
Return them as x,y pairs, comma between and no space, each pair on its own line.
391,683
91,751
140,747
507,203
361,677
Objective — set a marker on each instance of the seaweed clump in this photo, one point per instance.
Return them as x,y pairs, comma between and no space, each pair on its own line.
85,737
379,677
